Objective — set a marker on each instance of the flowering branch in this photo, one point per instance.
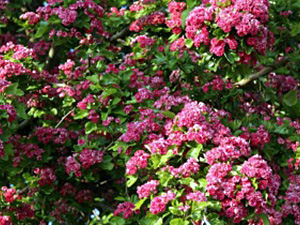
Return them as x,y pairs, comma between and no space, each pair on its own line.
263,71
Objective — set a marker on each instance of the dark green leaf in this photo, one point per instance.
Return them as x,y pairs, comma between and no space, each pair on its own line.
291,98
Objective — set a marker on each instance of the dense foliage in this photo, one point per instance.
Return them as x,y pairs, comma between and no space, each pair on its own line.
149,112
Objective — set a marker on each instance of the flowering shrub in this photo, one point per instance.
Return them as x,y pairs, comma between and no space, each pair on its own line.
149,112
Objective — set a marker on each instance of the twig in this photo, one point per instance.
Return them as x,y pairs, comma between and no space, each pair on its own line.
120,34
23,124
23,190
64,117
96,215
262,72
104,207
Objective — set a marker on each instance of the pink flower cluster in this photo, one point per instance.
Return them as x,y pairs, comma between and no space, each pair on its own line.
84,102
12,113
126,208
217,84
176,9
145,190
196,196
256,167
248,19
111,68
67,188
84,196
4,84
93,116
5,220
57,135
116,12
61,209
144,41
185,170
3,4
31,150
137,128
9,194
230,148
158,204
24,211
224,186
90,157
138,161
152,19
281,83
32,17
69,14
19,51
143,94
67,67
292,199
10,69
71,165
47,176
158,146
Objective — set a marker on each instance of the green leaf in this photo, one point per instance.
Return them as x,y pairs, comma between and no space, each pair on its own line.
21,110
188,43
291,98
116,101
119,198
169,114
139,203
117,221
131,180
38,113
178,221
8,150
12,89
107,166
184,15
281,130
191,3
232,57
265,219
194,152
90,127
154,221
81,114
173,37
41,30
165,158
109,92
164,178
94,78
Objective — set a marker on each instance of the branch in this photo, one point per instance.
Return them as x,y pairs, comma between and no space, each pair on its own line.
263,71
23,124
104,207
120,34
96,215
64,117
23,190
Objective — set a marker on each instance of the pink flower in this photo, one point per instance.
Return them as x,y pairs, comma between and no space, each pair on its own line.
138,161
217,47
145,190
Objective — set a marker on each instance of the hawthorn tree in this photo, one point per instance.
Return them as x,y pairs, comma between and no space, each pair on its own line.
149,112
